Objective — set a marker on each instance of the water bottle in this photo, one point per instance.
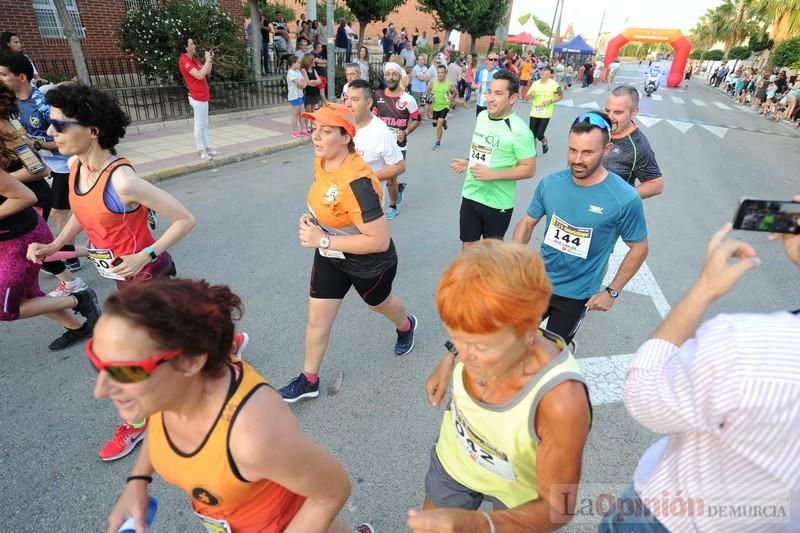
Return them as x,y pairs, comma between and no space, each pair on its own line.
129,526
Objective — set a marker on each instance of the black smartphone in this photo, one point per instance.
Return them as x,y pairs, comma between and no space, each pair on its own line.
775,216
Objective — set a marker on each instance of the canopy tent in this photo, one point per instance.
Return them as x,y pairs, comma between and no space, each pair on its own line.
523,38
575,46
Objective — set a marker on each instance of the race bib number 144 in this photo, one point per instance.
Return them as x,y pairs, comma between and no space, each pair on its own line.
566,238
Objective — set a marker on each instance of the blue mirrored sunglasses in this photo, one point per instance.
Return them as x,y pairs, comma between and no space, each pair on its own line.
594,119
59,125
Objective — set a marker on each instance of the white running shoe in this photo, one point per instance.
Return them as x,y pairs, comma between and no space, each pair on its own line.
65,288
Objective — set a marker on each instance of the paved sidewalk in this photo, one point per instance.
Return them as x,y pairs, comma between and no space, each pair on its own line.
167,149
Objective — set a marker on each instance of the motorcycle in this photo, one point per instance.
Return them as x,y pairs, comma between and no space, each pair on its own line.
651,83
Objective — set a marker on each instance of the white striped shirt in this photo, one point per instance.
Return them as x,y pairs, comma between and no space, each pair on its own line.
729,400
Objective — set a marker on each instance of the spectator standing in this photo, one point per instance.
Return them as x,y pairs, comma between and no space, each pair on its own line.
363,61
341,42
196,74
409,58
311,97
296,82
419,82
423,39
350,36
469,77
387,43
415,37
10,42
725,394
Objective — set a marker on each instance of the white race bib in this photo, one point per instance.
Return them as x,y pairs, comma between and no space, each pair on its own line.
539,110
215,526
479,451
480,154
564,237
102,261
334,254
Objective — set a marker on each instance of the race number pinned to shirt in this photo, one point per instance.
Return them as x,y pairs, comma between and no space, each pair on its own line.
480,154
480,451
538,110
564,237
331,254
102,261
213,525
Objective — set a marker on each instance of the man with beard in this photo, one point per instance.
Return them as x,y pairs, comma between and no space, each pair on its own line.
631,157
399,110
586,209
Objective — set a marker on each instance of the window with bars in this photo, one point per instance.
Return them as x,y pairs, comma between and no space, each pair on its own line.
207,2
49,23
136,5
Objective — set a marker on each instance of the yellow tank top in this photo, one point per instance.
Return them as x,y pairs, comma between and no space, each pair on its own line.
491,449
541,92
224,500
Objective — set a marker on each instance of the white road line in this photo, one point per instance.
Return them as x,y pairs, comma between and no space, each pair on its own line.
683,127
599,91
563,103
657,97
716,130
648,121
721,105
577,90
677,99
590,105
699,102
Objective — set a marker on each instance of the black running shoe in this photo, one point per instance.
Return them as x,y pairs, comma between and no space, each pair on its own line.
545,148
71,336
88,307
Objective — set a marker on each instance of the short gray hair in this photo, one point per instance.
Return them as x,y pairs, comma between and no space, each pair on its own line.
354,66
629,91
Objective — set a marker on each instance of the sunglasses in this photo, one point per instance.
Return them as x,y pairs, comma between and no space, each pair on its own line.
594,119
129,372
492,58
59,125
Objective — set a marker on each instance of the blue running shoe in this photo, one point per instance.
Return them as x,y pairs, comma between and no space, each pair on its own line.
405,340
299,388
391,213
401,187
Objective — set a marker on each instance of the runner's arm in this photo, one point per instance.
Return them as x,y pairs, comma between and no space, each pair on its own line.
390,171
374,238
415,122
24,175
558,98
562,422
525,169
267,443
524,229
637,253
650,188
134,190
18,196
68,233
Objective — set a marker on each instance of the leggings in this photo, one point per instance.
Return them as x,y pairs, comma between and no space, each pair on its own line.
200,123
538,127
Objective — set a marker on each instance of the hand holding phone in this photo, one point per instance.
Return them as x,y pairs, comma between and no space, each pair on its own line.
772,216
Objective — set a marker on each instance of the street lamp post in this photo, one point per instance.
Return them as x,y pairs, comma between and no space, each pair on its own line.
331,59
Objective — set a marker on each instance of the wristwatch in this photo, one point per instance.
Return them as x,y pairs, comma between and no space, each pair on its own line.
612,292
37,145
152,253
324,242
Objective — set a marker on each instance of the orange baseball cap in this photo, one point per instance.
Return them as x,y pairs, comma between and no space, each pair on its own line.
334,115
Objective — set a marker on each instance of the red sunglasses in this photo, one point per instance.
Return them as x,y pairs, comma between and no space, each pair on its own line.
129,372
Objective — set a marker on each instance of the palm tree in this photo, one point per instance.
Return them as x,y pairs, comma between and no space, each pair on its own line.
783,16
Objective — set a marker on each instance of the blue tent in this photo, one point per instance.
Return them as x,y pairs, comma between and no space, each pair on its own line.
575,46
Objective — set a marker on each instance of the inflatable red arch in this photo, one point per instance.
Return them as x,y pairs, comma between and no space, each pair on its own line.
675,38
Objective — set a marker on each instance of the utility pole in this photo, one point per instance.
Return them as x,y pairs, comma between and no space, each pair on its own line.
555,36
599,31
555,14
312,10
74,40
331,59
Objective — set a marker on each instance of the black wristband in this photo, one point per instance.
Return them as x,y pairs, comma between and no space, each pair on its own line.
143,478
451,348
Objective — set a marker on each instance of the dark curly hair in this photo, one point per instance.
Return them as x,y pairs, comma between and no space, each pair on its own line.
8,102
8,108
92,108
182,314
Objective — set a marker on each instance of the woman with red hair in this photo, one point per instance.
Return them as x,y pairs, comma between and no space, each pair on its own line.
515,429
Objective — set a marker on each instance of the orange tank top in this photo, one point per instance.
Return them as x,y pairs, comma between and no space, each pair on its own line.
224,500
120,233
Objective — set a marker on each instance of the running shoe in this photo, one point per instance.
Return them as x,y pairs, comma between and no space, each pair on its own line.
436,146
444,125
87,306
299,388
401,187
73,264
206,155
123,442
240,342
545,148
405,340
298,135
364,528
213,152
70,337
152,219
391,213
65,288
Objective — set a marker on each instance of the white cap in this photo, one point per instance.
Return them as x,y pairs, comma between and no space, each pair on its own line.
391,65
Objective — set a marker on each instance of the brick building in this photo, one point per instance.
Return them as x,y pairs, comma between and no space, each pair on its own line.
37,24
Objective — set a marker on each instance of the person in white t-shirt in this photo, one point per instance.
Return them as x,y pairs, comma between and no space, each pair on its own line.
352,72
295,82
375,142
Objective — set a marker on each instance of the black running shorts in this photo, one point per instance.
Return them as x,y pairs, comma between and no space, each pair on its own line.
478,220
330,283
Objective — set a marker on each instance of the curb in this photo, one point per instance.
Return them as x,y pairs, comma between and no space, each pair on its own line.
198,166
220,118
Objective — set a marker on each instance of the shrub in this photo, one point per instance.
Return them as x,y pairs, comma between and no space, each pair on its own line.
541,51
713,55
697,54
739,52
150,35
271,10
788,53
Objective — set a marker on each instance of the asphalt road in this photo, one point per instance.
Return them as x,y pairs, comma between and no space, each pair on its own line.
379,425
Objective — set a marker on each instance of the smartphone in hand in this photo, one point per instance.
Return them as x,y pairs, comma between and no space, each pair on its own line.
774,216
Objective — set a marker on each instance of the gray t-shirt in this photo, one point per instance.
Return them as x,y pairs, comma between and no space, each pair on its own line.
633,158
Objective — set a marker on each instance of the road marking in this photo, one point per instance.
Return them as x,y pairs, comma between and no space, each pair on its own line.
716,130
648,121
564,103
683,127
599,91
590,105
605,375
577,90
677,99
657,97
699,102
721,105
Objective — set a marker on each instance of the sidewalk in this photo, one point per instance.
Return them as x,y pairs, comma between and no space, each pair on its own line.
166,149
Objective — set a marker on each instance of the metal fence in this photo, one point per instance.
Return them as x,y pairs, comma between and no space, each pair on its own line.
103,72
160,103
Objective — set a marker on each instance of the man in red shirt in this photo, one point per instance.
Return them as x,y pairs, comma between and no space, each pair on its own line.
195,74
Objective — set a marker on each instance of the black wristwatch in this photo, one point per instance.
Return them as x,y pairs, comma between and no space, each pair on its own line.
612,292
37,145
451,348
